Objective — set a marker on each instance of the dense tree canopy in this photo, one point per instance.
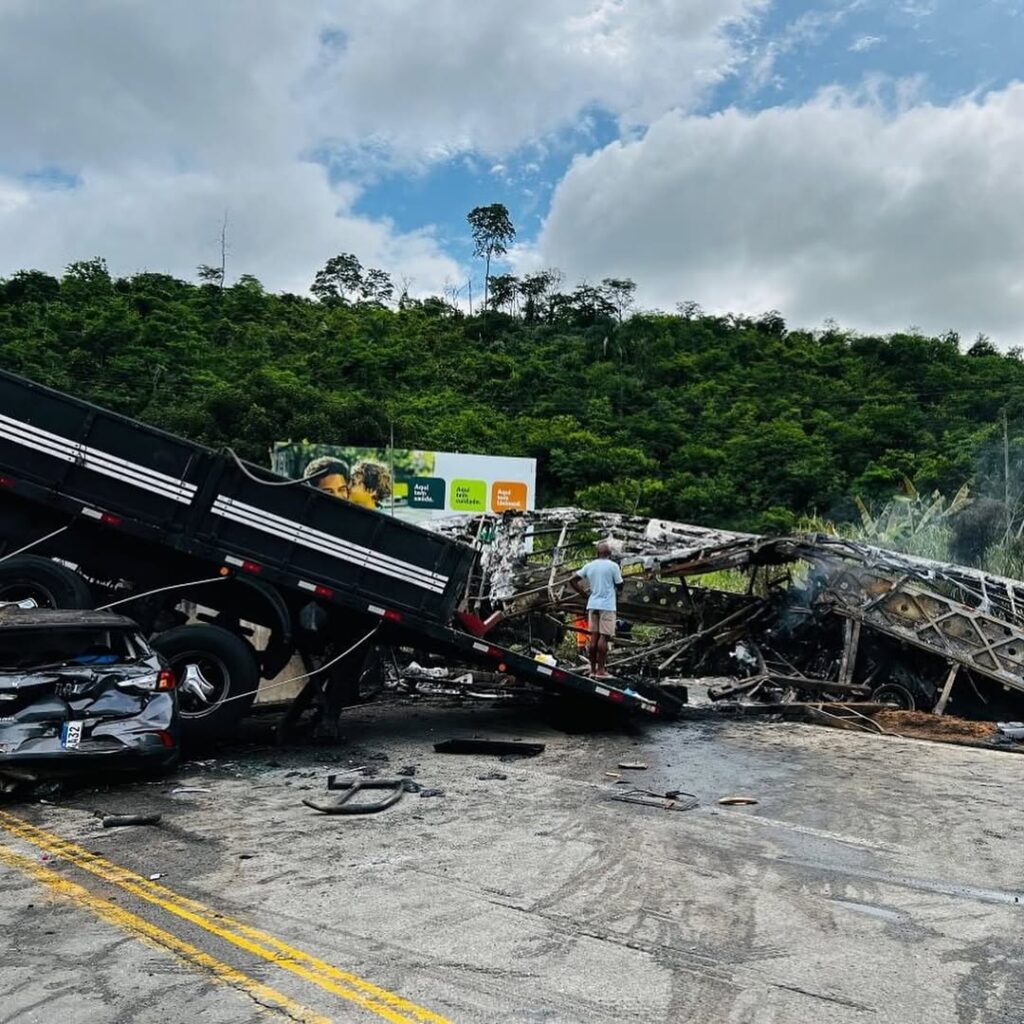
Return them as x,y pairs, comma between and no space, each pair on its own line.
719,420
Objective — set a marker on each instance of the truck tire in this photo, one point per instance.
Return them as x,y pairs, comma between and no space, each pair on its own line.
48,583
217,674
895,693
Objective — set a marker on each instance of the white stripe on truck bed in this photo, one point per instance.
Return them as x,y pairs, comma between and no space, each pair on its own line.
98,461
324,543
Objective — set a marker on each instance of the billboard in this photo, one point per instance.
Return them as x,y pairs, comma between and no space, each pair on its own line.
416,484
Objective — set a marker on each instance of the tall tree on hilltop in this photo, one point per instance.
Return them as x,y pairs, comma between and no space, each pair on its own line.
492,230
377,287
620,292
340,277
343,279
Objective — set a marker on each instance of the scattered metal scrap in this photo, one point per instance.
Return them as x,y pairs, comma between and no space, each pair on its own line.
501,748
122,820
802,619
673,800
394,790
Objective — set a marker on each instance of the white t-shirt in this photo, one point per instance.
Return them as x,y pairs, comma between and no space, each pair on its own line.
603,575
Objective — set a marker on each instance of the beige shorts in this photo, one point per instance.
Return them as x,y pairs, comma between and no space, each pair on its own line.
602,623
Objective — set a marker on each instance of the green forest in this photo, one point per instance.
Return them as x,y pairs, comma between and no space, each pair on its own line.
729,421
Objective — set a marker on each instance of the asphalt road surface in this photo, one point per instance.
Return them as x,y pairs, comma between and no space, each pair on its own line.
876,880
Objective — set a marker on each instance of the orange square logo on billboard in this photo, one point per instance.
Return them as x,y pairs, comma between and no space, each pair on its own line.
507,496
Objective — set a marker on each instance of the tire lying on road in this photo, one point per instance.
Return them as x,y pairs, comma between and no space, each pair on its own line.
48,583
218,676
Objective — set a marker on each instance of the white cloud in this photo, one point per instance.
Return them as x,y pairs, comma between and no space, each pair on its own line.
918,9
490,77
864,43
166,114
101,82
284,222
836,208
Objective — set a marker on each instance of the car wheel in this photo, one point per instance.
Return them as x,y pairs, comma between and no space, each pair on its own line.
49,584
217,678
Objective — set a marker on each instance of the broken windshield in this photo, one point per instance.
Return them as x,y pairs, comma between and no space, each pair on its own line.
33,649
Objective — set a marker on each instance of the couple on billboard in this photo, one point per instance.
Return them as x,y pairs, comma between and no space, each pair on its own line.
366,483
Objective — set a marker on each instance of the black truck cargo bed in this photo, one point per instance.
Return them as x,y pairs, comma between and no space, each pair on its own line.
66,461
198,500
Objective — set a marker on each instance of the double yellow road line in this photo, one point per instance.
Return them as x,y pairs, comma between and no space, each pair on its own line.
349,987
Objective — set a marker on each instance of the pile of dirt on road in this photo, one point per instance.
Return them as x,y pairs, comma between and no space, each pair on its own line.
941,728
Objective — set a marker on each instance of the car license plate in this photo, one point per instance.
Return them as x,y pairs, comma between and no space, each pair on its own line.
71,735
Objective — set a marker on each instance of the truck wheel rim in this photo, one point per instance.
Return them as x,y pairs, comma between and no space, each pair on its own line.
210,672
27,590
894,693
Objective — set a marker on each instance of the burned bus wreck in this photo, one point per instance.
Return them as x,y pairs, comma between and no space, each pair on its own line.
771,618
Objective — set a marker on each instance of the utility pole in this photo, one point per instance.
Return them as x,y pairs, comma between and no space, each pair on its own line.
223,248
392,456
1006,471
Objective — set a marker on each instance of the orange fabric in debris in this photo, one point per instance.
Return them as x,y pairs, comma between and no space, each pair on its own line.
582,639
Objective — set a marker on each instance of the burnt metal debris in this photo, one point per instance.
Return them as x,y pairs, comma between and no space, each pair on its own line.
394,790
776,619
501,748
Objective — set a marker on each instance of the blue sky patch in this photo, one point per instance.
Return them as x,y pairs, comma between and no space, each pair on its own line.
443,193
50,177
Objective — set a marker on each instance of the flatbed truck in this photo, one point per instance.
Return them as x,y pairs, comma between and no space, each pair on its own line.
98,508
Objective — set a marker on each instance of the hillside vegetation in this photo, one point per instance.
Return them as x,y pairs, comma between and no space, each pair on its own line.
719,420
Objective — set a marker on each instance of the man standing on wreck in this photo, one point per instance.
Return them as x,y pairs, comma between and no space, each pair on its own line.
605,579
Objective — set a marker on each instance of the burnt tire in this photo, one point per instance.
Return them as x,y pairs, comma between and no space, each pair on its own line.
217,674
48,583
895,693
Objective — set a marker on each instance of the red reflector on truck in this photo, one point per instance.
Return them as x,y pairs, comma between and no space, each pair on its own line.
392,616
6,481
616,695
321,591
110,519
254,567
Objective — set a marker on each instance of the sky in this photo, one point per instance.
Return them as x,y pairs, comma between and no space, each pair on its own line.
850,160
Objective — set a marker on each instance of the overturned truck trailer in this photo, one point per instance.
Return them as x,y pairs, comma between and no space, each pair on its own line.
815,617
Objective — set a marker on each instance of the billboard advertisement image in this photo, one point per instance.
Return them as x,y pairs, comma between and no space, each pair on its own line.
416,484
